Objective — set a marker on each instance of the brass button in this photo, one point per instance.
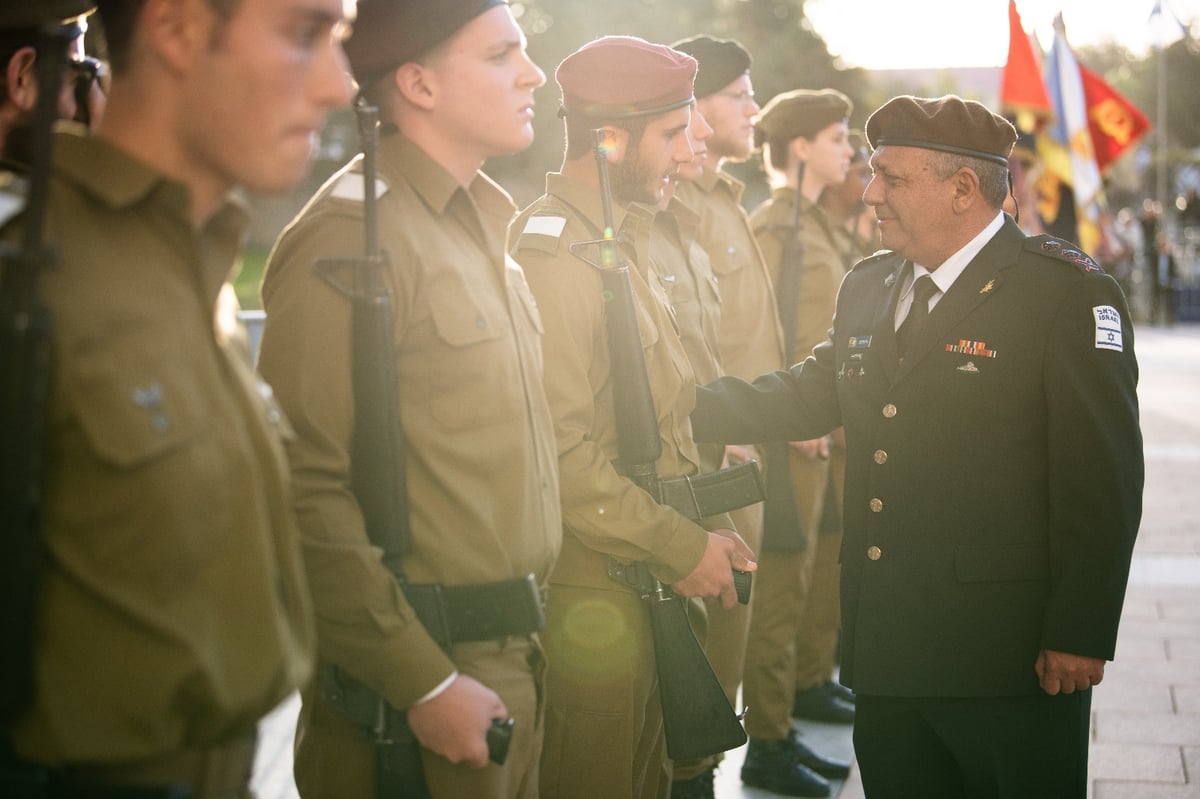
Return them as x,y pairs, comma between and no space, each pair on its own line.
874,553
889,411
876,505
880,457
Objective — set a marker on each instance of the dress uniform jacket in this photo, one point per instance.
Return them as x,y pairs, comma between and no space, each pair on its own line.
173,607
480,462
993,486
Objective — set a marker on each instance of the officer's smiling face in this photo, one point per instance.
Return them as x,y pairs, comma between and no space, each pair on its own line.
913,205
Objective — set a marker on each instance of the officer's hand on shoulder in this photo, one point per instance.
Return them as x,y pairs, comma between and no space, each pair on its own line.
455,723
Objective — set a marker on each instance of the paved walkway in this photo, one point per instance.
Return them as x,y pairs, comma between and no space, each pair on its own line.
1146,714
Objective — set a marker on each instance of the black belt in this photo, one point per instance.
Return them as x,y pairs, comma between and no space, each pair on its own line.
713,492
482,612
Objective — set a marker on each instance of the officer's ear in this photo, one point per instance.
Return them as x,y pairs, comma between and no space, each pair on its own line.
20,78
966,189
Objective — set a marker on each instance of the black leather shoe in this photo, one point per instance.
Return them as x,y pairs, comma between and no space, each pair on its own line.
772,766
698,787
830,769
820,704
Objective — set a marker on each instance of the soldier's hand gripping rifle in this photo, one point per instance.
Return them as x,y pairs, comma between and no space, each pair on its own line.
697,716
25,324
783,529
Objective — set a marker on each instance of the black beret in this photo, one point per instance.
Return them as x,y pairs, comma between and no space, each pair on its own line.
949,124
801,112
721,62
389,33
621,77
31,13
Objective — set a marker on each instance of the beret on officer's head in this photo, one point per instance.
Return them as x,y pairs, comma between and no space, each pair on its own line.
31,13
802,112
389,33
949,124
720,62
622,77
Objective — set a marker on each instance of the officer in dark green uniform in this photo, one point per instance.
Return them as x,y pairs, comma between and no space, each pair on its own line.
988,386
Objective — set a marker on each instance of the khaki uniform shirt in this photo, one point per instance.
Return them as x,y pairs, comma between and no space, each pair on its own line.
173,610
821,273
751,342
687,277
603,512
480,461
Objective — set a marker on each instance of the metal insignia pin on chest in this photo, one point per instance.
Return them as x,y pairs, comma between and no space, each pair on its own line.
987,287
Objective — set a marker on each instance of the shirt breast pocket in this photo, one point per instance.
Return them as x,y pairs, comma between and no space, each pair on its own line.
468,369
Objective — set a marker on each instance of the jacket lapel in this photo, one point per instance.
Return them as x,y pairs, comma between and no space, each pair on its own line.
885,322
973,287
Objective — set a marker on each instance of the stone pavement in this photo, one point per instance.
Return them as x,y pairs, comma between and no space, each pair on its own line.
1146,714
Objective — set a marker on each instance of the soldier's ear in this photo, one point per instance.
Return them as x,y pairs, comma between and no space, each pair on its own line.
178,31
416,84
966,189
616,143
20,78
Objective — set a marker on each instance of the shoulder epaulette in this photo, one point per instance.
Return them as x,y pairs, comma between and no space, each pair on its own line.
14,191
1061,250
874,258
350,187
541,233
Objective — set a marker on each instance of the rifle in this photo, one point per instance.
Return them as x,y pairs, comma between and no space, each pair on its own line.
377,477
782,526
697,717
25,325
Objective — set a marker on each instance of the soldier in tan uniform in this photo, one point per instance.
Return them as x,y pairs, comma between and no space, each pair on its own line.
799,631
481,469
747,335
173,607
604,735
80,96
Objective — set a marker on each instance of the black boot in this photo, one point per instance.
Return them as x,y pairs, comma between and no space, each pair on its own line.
698,787
822,704
772,766
830,769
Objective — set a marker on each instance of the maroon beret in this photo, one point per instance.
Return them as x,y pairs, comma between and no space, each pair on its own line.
949,124
388,33
31,13
802,112
720,62
620,77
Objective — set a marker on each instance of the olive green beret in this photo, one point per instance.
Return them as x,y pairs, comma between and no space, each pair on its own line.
949,124
31,13
801,112
721,62
389,33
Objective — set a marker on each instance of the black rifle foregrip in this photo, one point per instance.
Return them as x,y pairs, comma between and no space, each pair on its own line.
499,736
741,583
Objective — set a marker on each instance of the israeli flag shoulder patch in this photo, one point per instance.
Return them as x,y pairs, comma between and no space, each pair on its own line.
1108,328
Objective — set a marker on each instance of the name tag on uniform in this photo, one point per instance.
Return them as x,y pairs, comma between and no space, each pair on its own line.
859,342
1108,328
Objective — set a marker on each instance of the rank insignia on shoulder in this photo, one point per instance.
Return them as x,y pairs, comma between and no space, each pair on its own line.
1063,251
1108,328
350,187
542,233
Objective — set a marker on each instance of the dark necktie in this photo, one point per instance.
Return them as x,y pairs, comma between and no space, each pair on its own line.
917,314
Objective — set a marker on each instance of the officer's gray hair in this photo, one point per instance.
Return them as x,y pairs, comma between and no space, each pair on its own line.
993,178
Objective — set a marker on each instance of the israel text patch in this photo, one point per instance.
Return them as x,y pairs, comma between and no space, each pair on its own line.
1108,328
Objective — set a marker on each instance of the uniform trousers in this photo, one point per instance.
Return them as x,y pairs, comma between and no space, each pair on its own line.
604,730
784,586
1009,747
335,761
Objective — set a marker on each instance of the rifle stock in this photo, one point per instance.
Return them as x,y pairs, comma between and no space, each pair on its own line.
25,361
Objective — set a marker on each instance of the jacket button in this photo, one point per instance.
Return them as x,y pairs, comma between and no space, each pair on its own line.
889,411
874,553
876,505
880,457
